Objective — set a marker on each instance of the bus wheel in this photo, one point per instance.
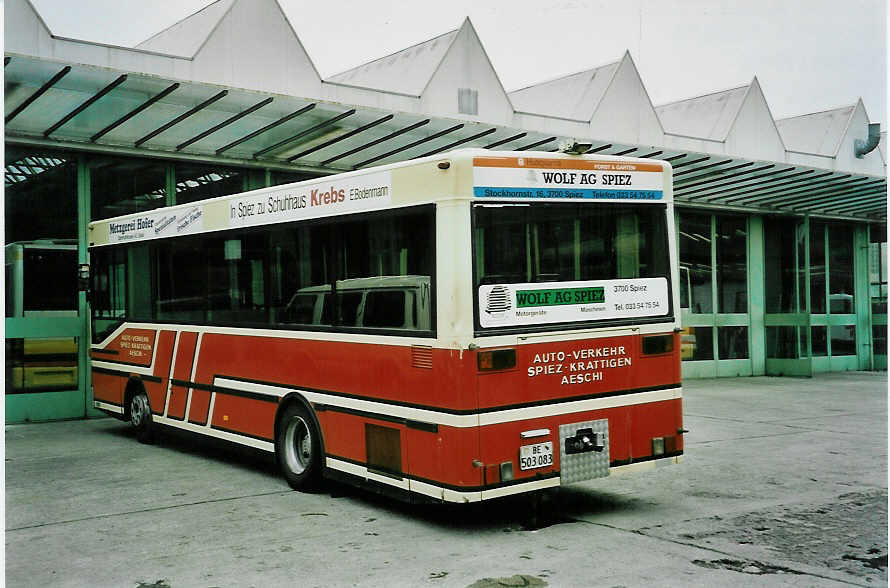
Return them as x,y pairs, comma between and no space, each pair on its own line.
140,417
297,448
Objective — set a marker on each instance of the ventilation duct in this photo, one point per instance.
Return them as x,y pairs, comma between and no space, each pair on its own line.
861,147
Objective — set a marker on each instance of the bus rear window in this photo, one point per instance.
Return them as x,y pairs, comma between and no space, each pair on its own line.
595,249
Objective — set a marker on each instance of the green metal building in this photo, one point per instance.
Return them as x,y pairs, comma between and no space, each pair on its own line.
782,223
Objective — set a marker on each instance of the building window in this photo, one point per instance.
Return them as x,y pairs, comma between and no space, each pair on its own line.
732,264
732,342
817,268
40,198
784,266
840,267
123,185
877,264
199,182
467,101
695,262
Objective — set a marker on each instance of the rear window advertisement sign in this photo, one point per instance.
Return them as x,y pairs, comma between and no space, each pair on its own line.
506,305
519,177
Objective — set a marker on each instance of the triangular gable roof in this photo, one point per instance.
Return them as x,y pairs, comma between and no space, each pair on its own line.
406,72
574,96
186,36
819,133
707,117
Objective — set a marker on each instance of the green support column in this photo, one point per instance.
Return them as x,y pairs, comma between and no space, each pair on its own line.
171,185
862,300
756,295
84,372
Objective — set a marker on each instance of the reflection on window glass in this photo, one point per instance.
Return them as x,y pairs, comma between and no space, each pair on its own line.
565,242
732,264
732,342
817,267
41,278
840,263
879,339
198,182
695,261
122,185
820,341
41,365
843,340
280,177
364,271
40,194
786,342
877,264
782,269
697,343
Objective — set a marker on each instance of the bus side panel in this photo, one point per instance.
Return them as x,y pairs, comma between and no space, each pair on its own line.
199,409
108,388
249,416
658,419
182,371
157,390
133,347
445,456
371,371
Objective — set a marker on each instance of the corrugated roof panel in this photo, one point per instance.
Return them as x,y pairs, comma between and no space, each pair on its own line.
705,117
404,72
819,132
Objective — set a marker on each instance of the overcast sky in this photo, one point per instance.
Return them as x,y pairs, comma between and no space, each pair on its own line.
809,55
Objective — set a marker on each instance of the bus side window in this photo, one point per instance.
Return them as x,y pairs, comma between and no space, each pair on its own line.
348,303
384,308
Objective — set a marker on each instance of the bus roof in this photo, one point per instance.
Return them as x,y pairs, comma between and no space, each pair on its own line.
495,176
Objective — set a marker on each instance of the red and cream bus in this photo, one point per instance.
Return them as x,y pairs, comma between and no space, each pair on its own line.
458,327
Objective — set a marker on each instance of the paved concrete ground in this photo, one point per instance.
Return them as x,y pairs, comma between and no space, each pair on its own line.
784,484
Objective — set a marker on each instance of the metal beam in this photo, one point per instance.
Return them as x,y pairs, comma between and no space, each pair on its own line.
704,167
710,174
507,140
410,145
653,154
135,111
304,132
459,142
598,149
268,127
531,145
828,195
351,133
625,152
694,161
747,188
89,102
808,192
867,201
784,192
392,135
40,91
182,117
673,157
774,176
714,181
758,192
225,123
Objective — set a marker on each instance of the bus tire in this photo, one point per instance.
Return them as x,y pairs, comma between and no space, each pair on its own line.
140,416
298,448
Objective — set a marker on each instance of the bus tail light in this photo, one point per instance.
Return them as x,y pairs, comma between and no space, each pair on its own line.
496,359
657,344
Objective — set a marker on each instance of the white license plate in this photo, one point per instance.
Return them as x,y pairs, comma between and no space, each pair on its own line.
539,455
